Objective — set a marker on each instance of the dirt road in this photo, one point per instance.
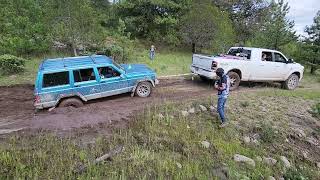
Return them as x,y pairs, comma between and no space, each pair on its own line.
17,112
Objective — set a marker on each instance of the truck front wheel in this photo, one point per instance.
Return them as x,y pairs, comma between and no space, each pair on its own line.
234,80
292,82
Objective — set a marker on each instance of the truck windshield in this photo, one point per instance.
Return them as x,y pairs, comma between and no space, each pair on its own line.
240,52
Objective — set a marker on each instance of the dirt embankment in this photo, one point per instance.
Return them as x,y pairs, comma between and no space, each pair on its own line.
17,112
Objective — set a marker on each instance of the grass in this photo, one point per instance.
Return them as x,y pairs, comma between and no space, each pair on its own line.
167,62
155,148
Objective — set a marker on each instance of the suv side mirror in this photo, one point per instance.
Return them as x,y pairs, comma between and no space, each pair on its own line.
122,76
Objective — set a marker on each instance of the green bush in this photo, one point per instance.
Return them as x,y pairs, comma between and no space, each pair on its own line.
10,64
115,51
316,110
268,134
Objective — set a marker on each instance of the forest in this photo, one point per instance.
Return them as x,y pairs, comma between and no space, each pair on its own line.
77,27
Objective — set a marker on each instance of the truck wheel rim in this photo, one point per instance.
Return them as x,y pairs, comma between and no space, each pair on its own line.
232,81
292,82
143,90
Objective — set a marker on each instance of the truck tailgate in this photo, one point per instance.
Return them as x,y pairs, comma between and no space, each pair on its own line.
203,62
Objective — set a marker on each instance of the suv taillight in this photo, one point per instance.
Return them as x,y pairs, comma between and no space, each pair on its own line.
37,99
214,65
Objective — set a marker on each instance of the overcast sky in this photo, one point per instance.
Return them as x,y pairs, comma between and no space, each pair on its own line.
303,12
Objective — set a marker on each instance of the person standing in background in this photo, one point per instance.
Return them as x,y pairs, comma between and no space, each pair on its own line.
152,52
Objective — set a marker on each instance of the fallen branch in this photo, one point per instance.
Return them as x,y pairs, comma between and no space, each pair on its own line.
109,155
112,153
7,131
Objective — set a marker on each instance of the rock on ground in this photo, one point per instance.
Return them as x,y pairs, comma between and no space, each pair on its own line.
205,144
271,178
259,159
221,172
318,165
269,161
285,162
203,108
300,132
244,159
184,113
160,116
212,108
179,165
192,110
246,139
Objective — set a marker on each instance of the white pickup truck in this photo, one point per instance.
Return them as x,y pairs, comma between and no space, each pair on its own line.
249,64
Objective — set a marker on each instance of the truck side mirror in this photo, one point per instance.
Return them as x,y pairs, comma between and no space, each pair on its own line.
290,61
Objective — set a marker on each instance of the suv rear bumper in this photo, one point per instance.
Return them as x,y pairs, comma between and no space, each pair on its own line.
203,72
44,105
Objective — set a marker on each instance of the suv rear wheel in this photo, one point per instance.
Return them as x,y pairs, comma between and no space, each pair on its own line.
74,102
234,80
144,89
292,82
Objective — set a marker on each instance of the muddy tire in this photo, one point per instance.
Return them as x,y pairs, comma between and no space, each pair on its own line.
234,80
144,89
292,82
74,102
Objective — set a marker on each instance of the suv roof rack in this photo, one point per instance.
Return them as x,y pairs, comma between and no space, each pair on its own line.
93,60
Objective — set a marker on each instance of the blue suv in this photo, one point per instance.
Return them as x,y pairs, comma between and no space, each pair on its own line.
74,80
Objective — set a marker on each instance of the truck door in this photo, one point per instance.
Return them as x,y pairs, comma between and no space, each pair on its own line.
281,68
264,67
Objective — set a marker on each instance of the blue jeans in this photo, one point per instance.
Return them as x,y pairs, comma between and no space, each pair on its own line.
220,107
152,54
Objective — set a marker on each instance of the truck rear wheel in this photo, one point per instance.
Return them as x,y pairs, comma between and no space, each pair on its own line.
292,82
144,89
74,102
203,78
234,80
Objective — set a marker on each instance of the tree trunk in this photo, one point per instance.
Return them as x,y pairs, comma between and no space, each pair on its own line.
74,50
313,67
193,47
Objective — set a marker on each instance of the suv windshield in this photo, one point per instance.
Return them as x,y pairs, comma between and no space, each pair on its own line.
118,66
240,52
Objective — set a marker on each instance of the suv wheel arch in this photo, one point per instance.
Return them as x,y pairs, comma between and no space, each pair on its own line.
139,81
79,97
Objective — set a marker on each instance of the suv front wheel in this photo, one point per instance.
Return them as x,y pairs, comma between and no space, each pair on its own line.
74,102
144,89
292,82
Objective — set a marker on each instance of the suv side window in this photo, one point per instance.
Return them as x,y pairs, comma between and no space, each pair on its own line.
108,72
82,75
266,56
279,58
55,79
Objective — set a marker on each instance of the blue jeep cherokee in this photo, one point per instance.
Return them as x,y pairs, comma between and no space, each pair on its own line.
74,80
